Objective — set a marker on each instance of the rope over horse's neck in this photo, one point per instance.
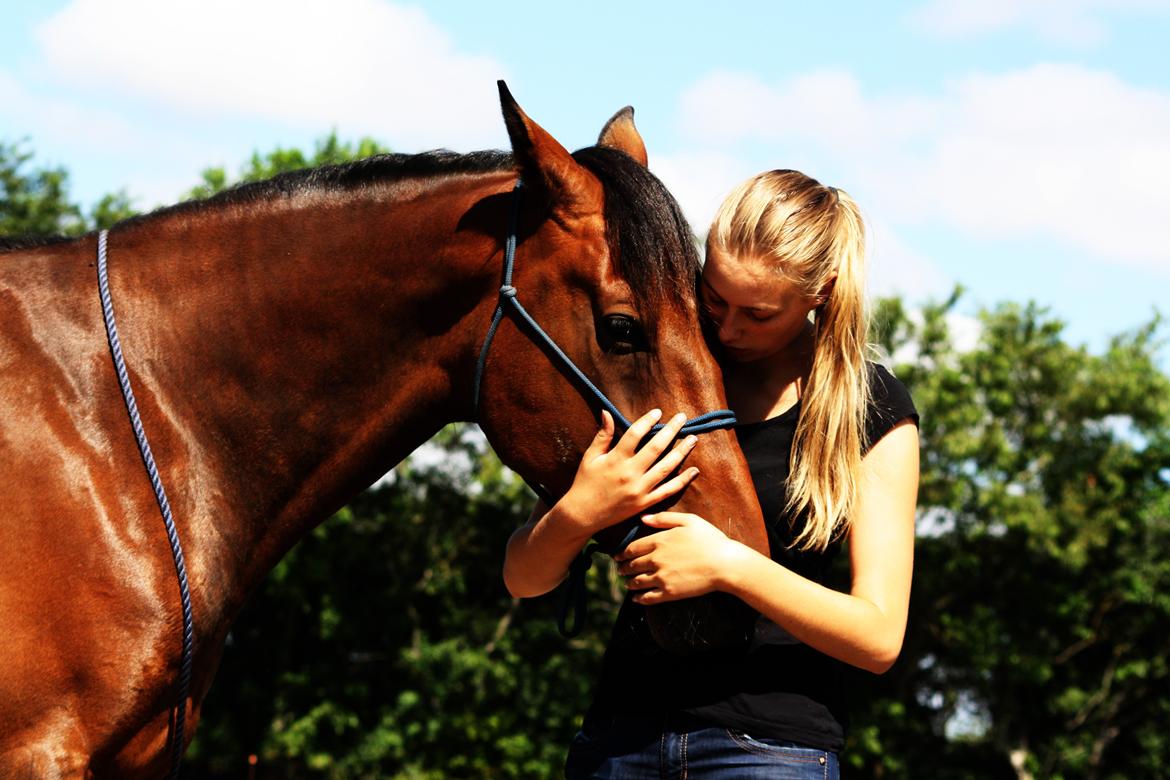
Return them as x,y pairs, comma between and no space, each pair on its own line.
160,496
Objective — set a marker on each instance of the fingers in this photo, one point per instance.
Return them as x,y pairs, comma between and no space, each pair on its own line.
642,582
671,460
670,519
601,442
652,596
660,441
630,439
635,567
669,488
640,574
637,548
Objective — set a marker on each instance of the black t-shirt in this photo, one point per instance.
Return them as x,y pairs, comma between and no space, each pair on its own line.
778,687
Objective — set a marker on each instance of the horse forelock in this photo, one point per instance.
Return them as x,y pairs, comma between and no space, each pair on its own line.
652,245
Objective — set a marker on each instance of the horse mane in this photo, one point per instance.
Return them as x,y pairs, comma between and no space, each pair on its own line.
16,243
343,176
649,239
648,236
377,169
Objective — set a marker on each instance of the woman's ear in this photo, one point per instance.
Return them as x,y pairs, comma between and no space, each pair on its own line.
826,291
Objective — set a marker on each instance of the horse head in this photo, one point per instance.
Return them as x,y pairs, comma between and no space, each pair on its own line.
607,265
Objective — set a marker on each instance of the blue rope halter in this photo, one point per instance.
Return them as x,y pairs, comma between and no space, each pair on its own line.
574,596
160,495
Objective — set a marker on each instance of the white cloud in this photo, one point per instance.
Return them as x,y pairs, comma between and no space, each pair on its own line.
699,181
1054,151
964,331
1075,22
58,119
896,268
368,65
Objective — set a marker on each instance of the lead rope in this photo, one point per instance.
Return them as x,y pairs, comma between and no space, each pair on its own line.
574,596
163,504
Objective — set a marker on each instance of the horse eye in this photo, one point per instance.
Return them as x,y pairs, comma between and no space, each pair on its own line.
621,334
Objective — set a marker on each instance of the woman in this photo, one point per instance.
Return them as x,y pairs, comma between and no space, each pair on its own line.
832,444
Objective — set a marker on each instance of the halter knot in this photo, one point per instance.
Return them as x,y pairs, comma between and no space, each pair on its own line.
507,291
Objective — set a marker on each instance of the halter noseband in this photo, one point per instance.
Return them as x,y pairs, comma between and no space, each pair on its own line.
509,302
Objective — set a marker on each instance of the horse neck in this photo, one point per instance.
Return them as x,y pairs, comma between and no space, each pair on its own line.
298,350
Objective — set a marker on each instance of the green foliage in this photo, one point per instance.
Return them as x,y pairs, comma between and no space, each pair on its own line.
1039,620
111,208
33,202
36,202
385,644
329,151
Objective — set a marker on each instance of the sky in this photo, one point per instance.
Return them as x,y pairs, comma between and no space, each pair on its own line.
1016,148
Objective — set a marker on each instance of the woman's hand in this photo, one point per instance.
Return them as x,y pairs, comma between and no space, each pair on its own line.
688,557
614,484
610,486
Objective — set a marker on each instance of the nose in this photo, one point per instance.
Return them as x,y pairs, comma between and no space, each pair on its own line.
729,328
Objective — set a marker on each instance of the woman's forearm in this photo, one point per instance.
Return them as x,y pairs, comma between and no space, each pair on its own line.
847,627
540,551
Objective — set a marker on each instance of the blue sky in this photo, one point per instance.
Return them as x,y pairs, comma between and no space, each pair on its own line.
1017,148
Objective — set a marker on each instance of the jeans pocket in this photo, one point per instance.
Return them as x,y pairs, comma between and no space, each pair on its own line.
779,749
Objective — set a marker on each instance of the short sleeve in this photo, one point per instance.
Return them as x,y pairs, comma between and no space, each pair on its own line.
890,403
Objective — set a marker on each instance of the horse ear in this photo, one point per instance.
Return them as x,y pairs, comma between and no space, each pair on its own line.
545,164
619,133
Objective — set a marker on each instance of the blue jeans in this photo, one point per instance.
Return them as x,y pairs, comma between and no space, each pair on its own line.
675,748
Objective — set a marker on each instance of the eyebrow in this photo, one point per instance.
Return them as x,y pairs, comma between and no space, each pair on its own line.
761,309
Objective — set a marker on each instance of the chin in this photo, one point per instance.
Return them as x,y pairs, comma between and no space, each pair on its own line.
742,355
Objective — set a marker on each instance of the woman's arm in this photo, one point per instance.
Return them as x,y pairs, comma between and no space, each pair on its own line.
610,486
864,627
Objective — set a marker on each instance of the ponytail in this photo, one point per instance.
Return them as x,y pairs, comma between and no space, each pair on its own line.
827,447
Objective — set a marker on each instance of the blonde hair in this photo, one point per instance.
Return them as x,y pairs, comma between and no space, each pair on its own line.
814,236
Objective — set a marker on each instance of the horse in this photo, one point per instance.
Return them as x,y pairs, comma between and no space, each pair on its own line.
289,341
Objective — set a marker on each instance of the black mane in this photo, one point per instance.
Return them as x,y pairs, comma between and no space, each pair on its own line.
13,243
652,245
344,176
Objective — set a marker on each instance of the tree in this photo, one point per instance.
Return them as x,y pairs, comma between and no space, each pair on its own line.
33,202
1040,615
386,646
328,151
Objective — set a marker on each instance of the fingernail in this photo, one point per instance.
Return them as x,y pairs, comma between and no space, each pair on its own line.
656,413
690,440
680,417
694,473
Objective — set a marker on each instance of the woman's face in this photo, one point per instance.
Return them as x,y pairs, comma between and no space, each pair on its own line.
756,311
